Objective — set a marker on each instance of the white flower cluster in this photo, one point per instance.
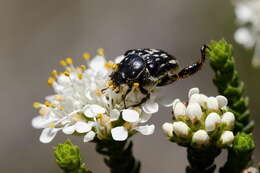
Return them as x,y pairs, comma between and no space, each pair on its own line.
202,121
248,16
81,106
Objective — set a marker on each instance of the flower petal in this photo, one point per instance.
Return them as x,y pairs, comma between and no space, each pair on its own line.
69,130
97,63
180,110
150,107
130,115
119,133
212,104
41,122
194,111
89,136
145,117
48,134
193,91
212,121
146,130
82,127
222,101
114,114
97,109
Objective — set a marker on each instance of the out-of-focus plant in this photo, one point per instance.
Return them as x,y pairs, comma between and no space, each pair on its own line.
248,17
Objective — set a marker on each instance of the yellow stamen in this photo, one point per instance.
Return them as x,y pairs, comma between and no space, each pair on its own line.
50,81
86,56
69,60
68,69
52,125
59,98
101,52
43,111
115,67
109,65
109,83
61,108
136,84
66,73
63,63
48,104
54,73
36,105
98,92
99,115
127,125
80,76
53,106
83,67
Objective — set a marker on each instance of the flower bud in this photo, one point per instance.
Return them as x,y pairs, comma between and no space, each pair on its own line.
200,137
167,129
211,122
194,111
193,91
195,98
180,129
228,118
179,110
227,137
212,104
222,101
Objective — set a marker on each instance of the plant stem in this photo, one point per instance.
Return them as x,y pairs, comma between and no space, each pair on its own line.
118,156
201,160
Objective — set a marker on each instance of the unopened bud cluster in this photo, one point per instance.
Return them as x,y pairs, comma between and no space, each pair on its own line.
202,121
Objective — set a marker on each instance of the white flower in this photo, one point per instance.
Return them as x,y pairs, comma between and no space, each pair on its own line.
194,111
180,129
167,129
83,103
131,116
200,137
228,118
212,121
179,110
146,130
48,134
89,136
119,133
248,16
222,101
193,91
227,137
212,104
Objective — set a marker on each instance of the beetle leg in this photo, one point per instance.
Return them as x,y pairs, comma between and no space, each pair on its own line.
195,67
186,71
129,89
147,96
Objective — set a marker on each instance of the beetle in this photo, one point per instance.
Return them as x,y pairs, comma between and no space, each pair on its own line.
149,68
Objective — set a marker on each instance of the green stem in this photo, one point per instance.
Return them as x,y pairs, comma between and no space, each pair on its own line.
229,85
118,156
202,160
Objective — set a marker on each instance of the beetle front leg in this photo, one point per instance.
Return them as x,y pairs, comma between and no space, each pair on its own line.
129,89
147,96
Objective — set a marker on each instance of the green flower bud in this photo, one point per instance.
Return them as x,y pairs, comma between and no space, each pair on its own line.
68,158
243,143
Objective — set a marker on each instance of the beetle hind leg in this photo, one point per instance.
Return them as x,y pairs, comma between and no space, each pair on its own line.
186,71
195,67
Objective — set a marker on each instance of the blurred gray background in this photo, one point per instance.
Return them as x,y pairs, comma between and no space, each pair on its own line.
36,34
